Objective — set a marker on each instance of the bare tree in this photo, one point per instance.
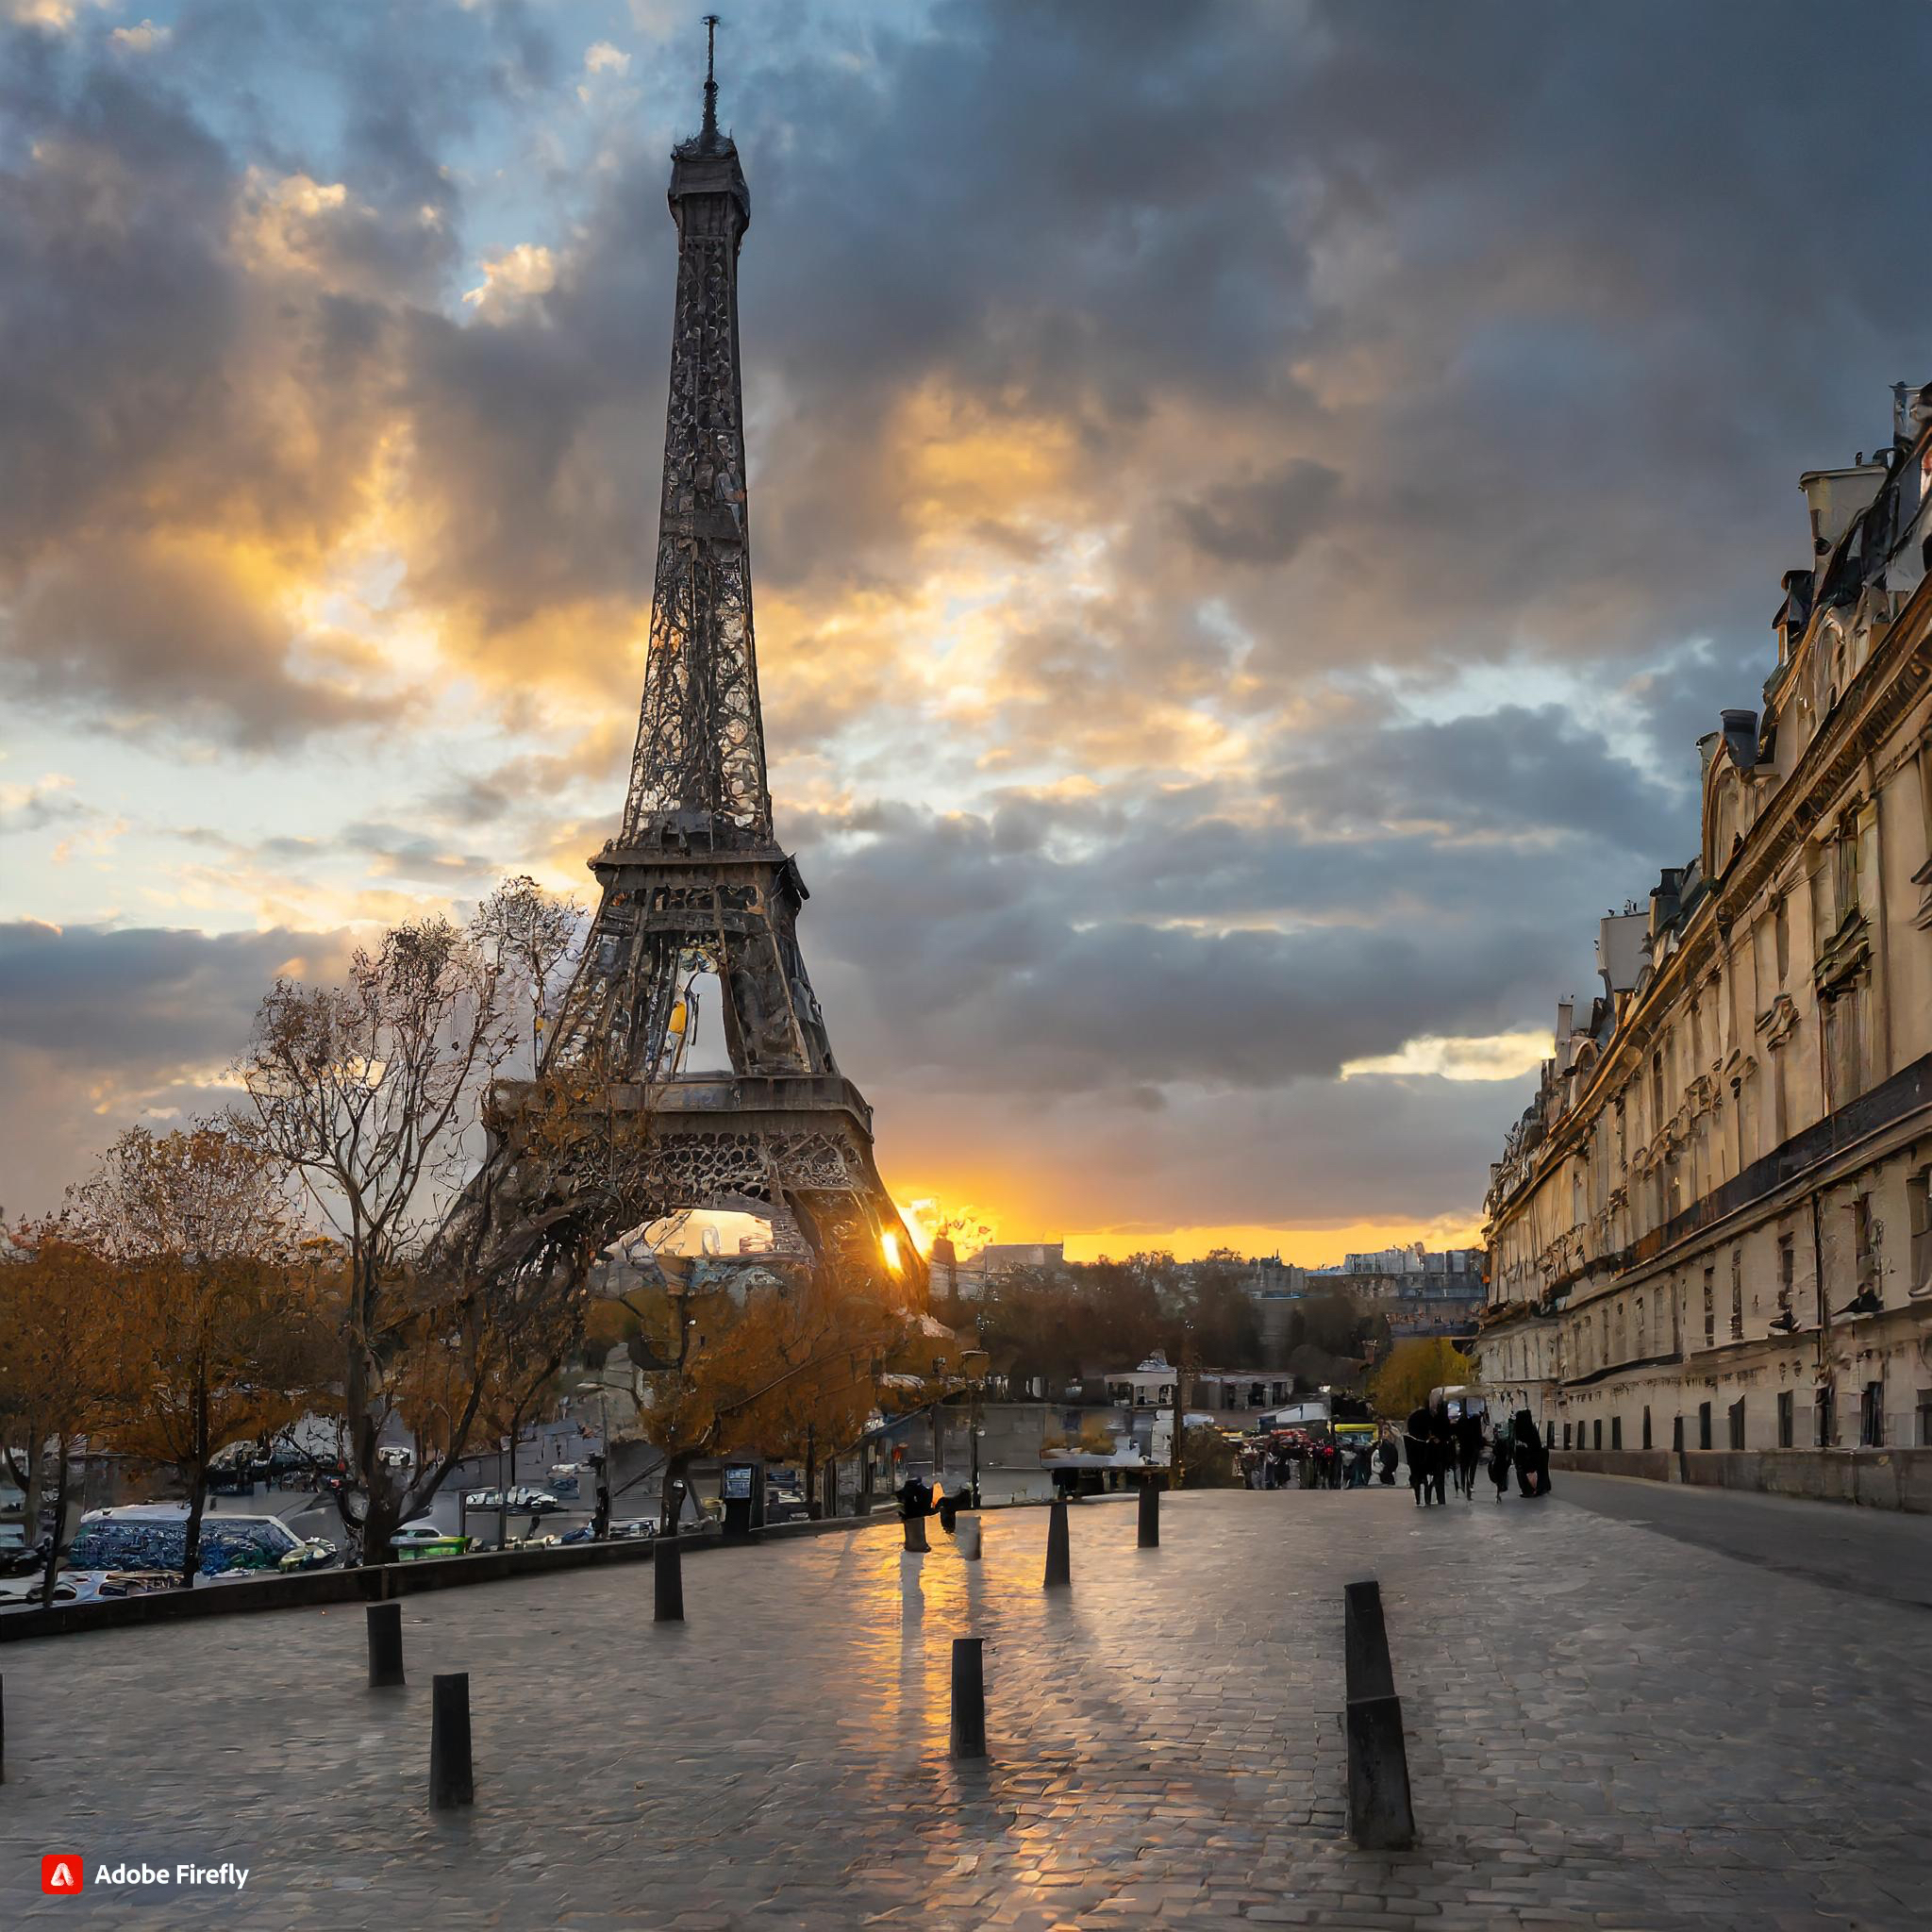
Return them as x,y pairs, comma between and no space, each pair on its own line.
377,1094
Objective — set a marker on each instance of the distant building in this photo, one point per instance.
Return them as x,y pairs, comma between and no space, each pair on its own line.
1004,1258
1421,1293
1150,1386
1227,1394
1410,1260
970,1278
1270,1274
942,1266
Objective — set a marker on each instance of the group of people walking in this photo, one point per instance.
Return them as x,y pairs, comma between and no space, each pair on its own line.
1299,1462
1440,1447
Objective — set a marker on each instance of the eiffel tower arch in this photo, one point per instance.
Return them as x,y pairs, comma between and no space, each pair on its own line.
694,886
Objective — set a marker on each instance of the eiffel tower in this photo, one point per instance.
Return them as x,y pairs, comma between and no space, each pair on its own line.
694,889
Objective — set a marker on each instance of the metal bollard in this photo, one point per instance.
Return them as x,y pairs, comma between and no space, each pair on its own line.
915,1536
3,1731
1380,1817
1380,1814
1365,1642
452,1776
1150,1516
969,1698
969,1538
667,1572
1060,1568
385,1645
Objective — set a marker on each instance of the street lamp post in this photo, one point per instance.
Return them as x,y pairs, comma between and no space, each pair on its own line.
601,1517
974,1362
1176,1454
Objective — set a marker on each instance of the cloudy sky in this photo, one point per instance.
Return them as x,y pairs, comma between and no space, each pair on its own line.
1253,505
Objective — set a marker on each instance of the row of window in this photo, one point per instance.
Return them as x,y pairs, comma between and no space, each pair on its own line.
1874,1431
1658,1329
1837,889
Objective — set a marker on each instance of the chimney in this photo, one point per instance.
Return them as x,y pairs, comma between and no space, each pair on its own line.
1740,735
1665,898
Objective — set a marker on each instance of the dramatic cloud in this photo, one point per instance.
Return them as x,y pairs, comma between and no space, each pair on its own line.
1251,509
99,1029
1261,520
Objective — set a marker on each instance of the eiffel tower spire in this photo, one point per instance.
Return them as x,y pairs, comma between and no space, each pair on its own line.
699,767
709,136
696,894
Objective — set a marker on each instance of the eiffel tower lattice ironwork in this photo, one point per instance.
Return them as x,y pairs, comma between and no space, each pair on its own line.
695,888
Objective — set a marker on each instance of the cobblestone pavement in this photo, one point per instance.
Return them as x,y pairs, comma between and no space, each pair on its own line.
1876,1553
1608,1730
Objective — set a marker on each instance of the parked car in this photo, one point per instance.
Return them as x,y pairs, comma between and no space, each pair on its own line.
483,1499
784,1505
153,1537
23,1593
539,1500
22,1560
619,1532
424,1539
111,1583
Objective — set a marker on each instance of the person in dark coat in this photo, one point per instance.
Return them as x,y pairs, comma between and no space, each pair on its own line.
1500,1460
1416,1447
1387,1456
1442,1449
1469,1451
1531,1457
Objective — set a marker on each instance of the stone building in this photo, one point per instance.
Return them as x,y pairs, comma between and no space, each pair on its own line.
1710,1230
1422,1293
970,1279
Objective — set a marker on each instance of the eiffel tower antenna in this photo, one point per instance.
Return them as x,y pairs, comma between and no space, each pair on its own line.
709,136
697,896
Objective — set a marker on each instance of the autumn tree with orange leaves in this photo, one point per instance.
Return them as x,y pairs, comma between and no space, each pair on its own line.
222,1329
780,1359
59,1378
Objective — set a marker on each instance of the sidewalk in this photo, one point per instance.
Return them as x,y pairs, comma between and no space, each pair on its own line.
1608,1730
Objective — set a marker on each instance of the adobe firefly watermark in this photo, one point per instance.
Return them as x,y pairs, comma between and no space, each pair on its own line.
67,1874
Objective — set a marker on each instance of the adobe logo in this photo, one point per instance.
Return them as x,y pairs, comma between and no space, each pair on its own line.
62,1872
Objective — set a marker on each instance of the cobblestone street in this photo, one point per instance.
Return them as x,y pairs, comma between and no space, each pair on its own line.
1608,1728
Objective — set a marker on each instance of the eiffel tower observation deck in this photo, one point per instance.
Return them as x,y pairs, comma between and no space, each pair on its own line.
699,904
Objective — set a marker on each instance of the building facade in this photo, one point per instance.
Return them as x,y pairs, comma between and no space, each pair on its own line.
1422,1294
1710,1230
